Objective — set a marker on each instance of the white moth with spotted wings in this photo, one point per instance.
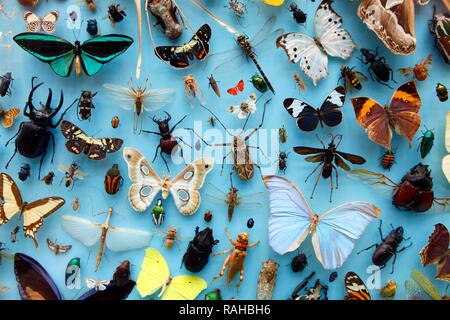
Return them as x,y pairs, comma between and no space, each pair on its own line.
312,53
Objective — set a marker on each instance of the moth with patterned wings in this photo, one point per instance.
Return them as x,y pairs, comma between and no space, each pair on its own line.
312,53
33,213
46,23
94,148
146,183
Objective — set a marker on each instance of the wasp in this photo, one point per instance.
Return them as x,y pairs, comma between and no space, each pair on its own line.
420,70
71,173
170,237
352,78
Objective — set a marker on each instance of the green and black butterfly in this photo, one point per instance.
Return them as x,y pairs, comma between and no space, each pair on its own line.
61,54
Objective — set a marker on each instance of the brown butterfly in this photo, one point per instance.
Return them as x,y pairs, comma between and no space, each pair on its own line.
437,252
94,148
402,114
356,289
7,116
56,248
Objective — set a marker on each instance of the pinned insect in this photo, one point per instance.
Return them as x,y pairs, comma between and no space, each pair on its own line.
388,247
140,98
317,292
242,161
168,143
378,66
14,233
57,248
389,290
299,262
426,143
235,261
441,92
113,180
388,159
85,105
250,223
198,251
436,252
165,12
170,236
282,161
333,276
239,9
266,280
414,192
419,287
92,27
355,287
214,85
298,15
325,158
420,70
352,78
24,172
8,116
6,81
71,174
76,204
115,121
115,14
239,87
193,90
233,200
212,121
158,213
213,295
48,179
91,5
121,275
208,216
259,83
282,134
299,82
245,108
33,136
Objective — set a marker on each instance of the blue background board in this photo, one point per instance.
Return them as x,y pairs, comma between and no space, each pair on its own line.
279,70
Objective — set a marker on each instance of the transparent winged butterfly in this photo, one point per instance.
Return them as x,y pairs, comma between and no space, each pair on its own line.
33,213
308,117
312,53
333,233
146,184
35,23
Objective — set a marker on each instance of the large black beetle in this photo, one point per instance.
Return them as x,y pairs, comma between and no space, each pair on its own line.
33,136
199,249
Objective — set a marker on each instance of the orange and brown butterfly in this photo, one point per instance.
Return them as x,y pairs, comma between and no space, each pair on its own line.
420,70
238,88
356,289
402,115
8,116
437,252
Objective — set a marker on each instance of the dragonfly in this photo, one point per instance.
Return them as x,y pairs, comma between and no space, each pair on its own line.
233,200
247,48
115,239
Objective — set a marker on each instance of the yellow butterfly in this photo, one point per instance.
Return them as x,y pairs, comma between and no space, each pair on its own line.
7,116
155,275
275,3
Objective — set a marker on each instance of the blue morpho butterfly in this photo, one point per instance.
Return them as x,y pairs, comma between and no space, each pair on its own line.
61,54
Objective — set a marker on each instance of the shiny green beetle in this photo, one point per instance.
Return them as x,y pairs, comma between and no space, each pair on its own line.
259,83
158,213
426,143
213,295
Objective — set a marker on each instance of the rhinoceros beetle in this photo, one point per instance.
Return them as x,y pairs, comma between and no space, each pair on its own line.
199,249
33,136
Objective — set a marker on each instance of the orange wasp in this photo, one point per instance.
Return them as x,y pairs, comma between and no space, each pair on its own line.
235,260
420,70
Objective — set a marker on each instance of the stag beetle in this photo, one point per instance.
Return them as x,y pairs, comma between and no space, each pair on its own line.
199,249
167,143
388,247
33,136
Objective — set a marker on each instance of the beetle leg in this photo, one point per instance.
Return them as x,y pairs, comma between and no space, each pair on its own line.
393,262
331,185
157,133
40,163
384,83
176,124
165,161
207,143
14,136
392,75
223,161
368,248
381,231
260,125
184,142
7,164
181,154
229,238
260,150
62,115
156,153
317,181
54,145
404,248
260,171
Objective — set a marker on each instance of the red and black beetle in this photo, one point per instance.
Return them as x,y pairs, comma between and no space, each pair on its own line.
113,180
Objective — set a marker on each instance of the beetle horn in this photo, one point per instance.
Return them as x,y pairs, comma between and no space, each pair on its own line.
30,96
154,120
49,99
169,117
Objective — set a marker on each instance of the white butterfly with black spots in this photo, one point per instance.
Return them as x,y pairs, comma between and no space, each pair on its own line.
312,53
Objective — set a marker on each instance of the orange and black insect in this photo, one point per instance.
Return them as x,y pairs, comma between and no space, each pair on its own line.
115,121
388,160
113,180
352,78
419,71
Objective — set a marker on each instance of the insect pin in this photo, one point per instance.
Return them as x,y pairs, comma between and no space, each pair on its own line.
213,84
388,159
441,92
158,213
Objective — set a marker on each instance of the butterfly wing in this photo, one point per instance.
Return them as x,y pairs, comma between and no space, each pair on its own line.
154,273
34,214
338,229
32,20
355,287
372,117
405,106
202,36
329,111
301,48
33,280
186,185
335,40
82,230
102,49
307,116
9,116
48,22
145,181
101,146
290,215
437,252
184,288
57,52
124,239
10,198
